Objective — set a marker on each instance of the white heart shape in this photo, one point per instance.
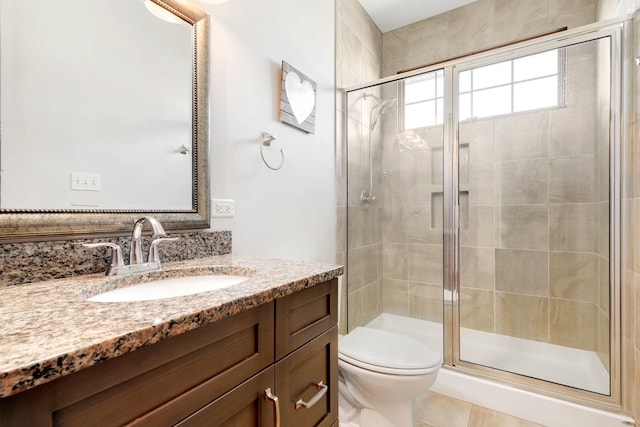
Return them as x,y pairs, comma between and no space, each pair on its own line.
301,96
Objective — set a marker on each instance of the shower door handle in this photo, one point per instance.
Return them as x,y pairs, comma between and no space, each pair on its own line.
456,217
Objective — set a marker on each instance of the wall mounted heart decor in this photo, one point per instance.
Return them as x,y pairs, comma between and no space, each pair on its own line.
297,99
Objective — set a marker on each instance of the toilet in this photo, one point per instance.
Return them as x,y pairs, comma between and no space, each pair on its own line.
380,372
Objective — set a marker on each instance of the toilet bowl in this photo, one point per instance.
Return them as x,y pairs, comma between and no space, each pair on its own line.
379,374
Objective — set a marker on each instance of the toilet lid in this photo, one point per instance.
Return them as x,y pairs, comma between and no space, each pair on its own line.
386,349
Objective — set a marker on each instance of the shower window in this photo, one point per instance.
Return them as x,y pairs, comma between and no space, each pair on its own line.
424,100
528,83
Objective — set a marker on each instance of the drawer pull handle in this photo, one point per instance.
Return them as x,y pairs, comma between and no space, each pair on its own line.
270,396
323,390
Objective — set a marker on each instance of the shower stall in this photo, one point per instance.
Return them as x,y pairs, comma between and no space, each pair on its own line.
483,211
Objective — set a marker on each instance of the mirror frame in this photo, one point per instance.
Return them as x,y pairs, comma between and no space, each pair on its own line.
17,225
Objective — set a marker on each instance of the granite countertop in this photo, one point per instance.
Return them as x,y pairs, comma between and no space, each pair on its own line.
49,329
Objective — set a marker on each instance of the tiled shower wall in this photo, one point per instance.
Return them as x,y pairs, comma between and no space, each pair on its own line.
555,158
534,254
479,25
358,60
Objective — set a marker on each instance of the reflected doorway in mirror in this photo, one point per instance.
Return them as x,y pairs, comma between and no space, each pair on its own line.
297,99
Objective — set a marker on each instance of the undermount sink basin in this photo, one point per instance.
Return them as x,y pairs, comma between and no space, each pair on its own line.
169,288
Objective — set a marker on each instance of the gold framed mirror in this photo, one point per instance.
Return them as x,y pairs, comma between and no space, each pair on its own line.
142,142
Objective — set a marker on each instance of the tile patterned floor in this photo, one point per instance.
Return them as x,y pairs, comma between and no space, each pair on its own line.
436,410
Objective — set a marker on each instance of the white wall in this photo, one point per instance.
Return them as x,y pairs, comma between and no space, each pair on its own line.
290,212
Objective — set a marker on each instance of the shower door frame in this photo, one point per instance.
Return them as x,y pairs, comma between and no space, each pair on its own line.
619,31
617,119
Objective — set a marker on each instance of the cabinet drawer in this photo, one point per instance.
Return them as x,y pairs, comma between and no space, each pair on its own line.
122,389
304,315
243,406
300,377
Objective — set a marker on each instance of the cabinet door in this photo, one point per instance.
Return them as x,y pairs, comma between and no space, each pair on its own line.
304,315
307,383
244,406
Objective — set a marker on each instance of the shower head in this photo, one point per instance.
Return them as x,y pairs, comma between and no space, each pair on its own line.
387,104
382,106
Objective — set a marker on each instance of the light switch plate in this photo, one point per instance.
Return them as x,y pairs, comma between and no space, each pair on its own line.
85,181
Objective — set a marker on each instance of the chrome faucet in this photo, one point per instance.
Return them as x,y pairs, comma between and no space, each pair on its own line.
136,260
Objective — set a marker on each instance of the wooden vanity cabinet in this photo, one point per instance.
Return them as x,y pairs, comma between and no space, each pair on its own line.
215,375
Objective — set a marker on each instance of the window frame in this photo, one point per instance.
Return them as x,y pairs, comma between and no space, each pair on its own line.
561,91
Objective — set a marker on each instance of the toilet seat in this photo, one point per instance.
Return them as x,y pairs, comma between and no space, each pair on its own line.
387,352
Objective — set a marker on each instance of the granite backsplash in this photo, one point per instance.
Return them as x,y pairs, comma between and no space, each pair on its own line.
38,261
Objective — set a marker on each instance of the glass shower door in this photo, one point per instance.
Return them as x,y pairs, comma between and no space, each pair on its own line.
534,214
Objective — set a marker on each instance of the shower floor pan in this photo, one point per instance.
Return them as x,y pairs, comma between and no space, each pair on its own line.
563,365
572,367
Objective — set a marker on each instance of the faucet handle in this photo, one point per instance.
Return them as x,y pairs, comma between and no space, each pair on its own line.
154,253
116,255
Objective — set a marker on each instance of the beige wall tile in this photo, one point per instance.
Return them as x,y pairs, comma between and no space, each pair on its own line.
572,324
522,316
522,272
636,386
371,301
573,227
354,309
432,32
524,181
572,13
425,264
477,268
355,266
522,136
603,229
425,302
420,178
476,309
395,47
419,227
341,228
395,261
572,180
479,135
581,89
355,225
636,310
482,188
571,131
524,227
395,297
371,229
395,227
481,230
473,26
371,257
344,305
516,19
574,276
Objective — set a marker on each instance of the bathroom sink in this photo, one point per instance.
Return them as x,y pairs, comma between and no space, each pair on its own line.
169,288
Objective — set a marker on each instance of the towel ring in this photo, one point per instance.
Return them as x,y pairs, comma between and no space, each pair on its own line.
267,138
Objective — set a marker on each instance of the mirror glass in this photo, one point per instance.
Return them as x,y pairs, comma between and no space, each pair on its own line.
104,116
97,101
